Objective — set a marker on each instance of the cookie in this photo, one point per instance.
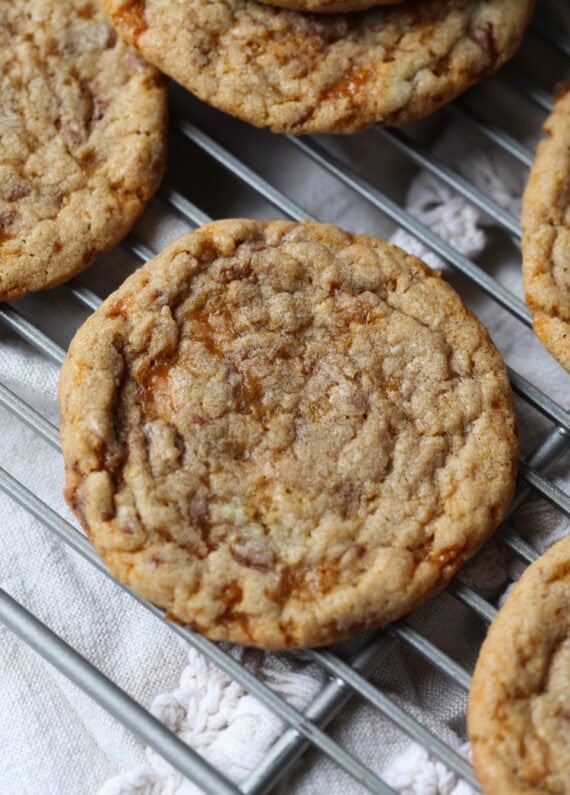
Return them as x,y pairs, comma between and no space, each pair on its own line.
284,433
299,73
546,233
519,706
82,137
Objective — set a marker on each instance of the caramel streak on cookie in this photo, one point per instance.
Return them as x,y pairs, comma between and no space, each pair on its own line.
546,233
82,138
299,72
283,433
519,706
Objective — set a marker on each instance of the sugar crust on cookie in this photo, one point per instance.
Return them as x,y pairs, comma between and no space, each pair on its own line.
546,233
82,138
284,433
519,706
297,72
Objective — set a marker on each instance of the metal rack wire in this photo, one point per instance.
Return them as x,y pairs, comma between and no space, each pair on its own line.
347,678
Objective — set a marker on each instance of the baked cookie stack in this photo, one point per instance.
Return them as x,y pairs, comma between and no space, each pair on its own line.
296,71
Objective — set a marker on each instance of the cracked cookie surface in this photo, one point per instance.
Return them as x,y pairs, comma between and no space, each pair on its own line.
284,433
546,233
82,136
519,707
298,72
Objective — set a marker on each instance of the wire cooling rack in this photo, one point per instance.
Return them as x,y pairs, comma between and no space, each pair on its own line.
223,162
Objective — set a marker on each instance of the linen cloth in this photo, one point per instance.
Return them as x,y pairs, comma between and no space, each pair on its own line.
54,739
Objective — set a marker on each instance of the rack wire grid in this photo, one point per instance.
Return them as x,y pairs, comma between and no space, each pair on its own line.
222,162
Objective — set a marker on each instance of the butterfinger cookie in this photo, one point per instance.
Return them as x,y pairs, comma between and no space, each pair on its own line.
519,707
299,73
546,233
283,433
82,132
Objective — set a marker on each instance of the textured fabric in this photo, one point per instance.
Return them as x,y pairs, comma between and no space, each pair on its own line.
56,740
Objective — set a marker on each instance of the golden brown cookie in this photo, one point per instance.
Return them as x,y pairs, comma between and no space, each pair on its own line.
546,233
82,134
298,73
283,433
519,707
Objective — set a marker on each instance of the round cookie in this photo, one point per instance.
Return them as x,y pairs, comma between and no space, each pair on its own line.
299,73
284,433
519,706
546,233
82,140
